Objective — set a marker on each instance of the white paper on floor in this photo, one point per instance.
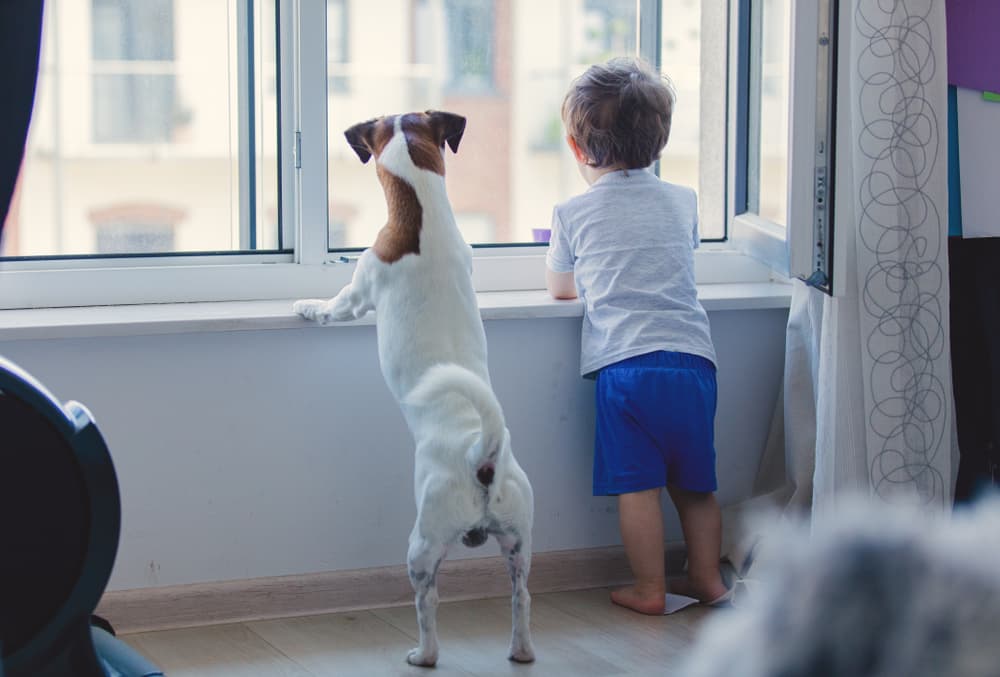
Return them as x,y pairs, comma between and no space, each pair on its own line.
674,603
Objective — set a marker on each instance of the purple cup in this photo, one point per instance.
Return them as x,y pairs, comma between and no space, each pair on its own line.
541,234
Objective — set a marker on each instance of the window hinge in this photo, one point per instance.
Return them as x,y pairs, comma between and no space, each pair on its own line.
297,150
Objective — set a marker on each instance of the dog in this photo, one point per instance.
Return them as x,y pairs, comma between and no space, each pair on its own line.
432,352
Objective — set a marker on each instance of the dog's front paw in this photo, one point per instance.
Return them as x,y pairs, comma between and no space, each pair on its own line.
312,309
421,659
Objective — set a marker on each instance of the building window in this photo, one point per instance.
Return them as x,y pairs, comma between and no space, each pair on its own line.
133,238
337,45
608,30
134,89
470,27
135,229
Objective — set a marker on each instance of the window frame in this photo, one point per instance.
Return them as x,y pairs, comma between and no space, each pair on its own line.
304,267
791,250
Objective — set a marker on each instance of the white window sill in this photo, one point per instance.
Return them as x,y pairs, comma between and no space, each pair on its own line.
179,318
36,284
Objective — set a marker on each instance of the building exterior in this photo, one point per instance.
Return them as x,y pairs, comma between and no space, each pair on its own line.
135,141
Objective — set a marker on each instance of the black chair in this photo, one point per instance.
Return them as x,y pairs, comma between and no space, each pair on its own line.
60,517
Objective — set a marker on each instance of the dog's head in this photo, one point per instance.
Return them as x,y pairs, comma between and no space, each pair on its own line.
405,148
425,134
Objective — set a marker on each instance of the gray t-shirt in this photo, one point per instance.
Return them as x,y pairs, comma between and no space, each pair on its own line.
630,240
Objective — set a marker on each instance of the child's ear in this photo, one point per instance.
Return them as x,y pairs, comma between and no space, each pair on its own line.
577,151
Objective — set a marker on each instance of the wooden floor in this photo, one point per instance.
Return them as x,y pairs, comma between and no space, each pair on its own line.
575,634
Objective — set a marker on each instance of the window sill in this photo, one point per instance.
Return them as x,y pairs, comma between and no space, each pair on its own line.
180,318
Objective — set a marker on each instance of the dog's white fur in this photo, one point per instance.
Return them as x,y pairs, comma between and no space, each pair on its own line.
432,350
870,589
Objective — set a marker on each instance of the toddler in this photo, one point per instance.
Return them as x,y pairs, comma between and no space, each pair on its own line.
626,245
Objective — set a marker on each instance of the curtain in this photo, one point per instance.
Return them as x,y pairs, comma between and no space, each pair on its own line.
900,183
867,400
20,40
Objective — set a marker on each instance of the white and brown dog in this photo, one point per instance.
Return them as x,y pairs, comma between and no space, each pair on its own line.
432,350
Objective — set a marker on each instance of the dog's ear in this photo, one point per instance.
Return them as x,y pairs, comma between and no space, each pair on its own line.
361,137
448,128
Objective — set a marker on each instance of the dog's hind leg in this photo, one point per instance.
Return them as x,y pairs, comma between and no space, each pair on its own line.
516,550
423,560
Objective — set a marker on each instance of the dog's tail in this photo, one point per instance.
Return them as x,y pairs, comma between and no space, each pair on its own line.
444,378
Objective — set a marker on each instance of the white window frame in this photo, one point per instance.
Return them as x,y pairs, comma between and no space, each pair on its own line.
309,270
787,250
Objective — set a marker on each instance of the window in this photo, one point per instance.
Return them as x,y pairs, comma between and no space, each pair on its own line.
695,61
781,163
506,66
135,228
131,238
470,29
232,114
337,45
767,173
156,102
133,83
608,30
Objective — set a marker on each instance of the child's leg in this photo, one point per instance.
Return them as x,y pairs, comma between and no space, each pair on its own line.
701,521
641,519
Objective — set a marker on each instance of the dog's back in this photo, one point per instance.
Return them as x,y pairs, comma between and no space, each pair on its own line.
435,316
449,378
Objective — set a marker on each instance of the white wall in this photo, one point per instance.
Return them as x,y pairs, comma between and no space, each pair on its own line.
265,453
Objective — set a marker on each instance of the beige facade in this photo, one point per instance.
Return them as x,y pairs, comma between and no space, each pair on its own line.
168,178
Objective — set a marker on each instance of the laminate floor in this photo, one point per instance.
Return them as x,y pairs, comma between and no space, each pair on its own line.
576,634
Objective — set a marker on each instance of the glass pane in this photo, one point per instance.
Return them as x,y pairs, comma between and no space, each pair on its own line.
135,139
772,152
695,153
505,65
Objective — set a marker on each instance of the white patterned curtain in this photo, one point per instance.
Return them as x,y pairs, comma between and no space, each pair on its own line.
897,145
867,392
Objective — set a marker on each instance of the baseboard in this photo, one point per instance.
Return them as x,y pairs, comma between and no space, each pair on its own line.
182,606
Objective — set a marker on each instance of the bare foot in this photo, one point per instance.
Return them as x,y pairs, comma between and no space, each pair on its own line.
645,603
704,593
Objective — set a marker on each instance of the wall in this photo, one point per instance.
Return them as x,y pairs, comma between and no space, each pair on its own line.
265,453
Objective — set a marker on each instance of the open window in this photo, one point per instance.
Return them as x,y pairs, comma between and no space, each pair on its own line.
782,163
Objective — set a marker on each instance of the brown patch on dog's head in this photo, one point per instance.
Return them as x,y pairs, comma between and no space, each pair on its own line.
426,134
401,235
370,137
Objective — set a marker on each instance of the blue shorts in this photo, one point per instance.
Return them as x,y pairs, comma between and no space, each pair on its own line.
655,424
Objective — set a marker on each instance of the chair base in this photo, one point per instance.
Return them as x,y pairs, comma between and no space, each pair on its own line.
90,652
118,659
